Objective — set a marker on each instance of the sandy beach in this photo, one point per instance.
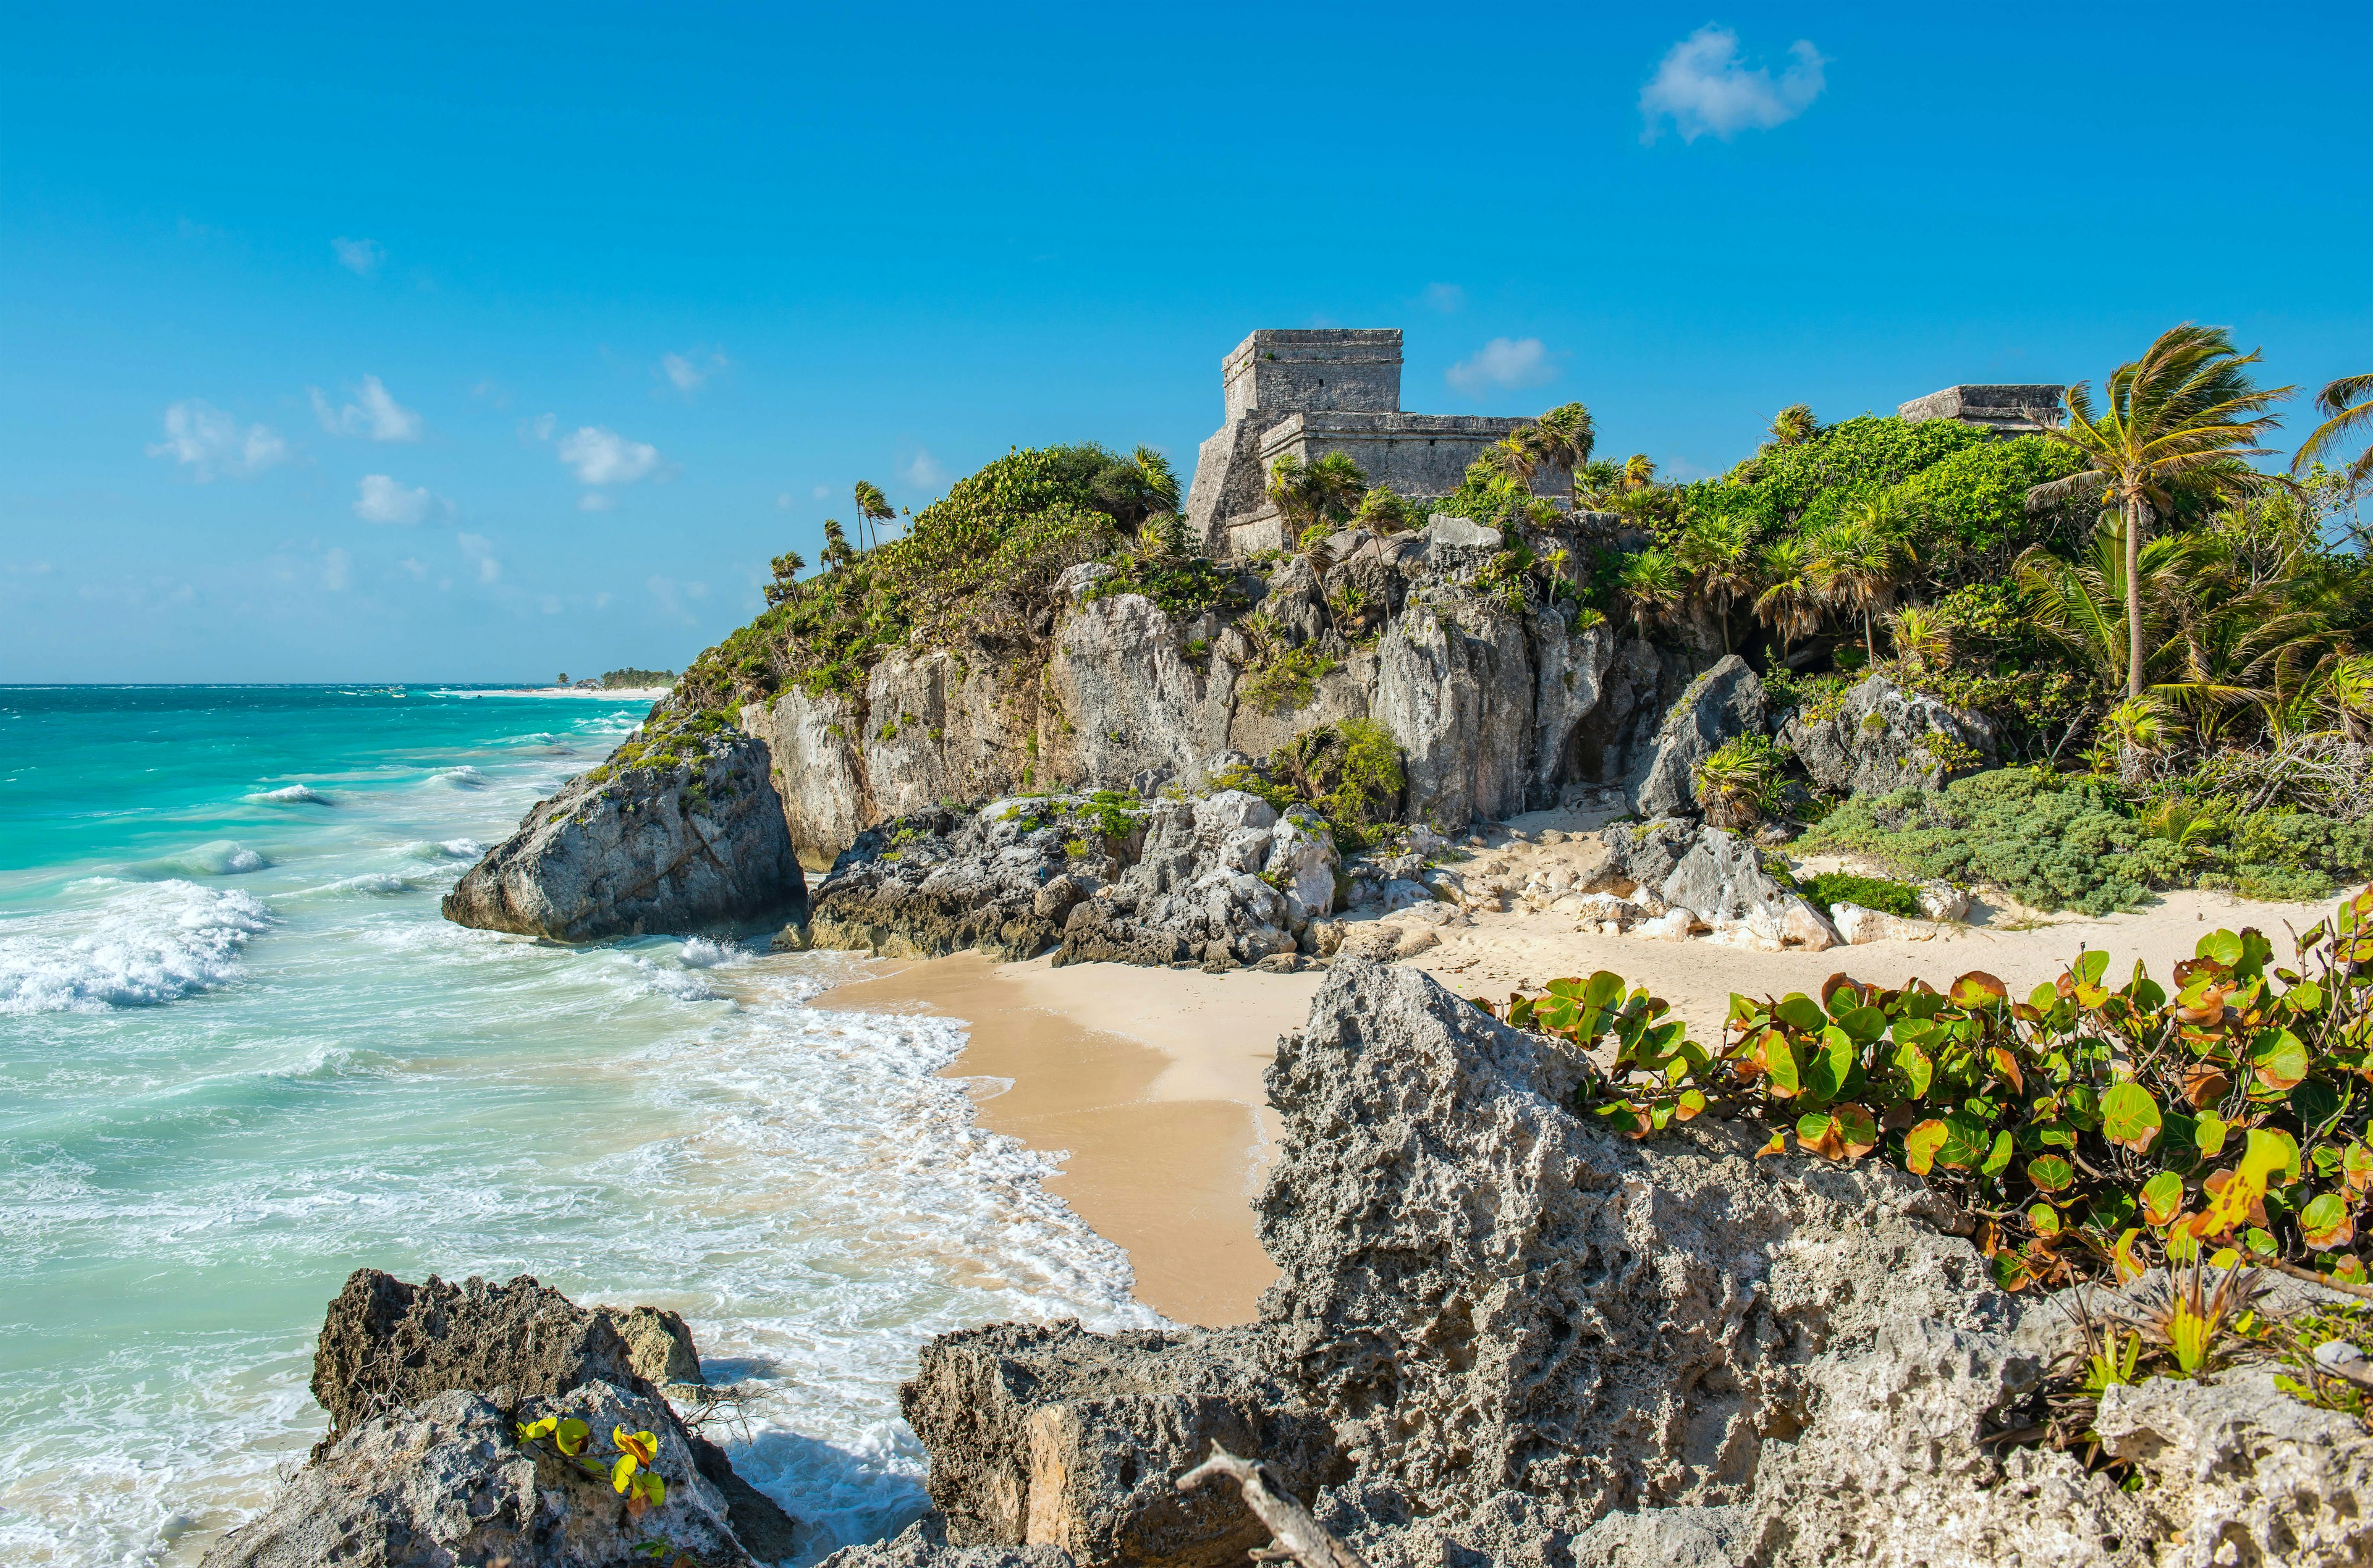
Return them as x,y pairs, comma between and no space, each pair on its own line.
1147,1082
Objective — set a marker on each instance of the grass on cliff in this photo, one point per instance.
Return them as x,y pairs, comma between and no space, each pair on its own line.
974,573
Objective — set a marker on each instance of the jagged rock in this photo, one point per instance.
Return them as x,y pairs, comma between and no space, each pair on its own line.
1725,702
1539,1343
387,1346
930,885
1054,1436
1942,900
1883,737
1303,864
680,831
1857,925
1455,685
446,1482
1716,876
1672,926
658,1346
924,1544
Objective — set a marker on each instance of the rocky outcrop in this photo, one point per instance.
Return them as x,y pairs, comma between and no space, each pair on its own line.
388,1350
1219,882
1882,737
1503,1334
680,830
447,1482
1712,876
1725,702
1055,1436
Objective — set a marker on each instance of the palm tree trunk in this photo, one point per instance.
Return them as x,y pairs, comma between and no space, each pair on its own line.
1869,644
2136,509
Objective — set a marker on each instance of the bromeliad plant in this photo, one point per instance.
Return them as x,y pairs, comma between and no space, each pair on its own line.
2087,1131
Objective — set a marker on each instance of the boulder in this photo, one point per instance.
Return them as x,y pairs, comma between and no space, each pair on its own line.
1725,702
1723,881
999,880
1857,925
1303,864
1455,678
1942,900
1882,737
387,1346
680,831
1049,1436
447,1482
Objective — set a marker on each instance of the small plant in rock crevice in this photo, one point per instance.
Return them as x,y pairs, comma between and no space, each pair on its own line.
627,1471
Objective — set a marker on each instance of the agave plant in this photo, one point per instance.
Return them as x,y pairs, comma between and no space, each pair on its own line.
1738,784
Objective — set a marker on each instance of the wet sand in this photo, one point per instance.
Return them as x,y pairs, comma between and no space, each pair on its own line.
1148,1081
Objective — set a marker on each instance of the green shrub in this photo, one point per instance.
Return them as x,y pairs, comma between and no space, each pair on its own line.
1831,889
1738,782
1286,680
2054,843
2098,1131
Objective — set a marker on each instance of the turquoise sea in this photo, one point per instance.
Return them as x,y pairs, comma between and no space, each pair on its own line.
241,1055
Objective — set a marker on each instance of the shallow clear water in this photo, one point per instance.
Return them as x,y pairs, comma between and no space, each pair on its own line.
241,1055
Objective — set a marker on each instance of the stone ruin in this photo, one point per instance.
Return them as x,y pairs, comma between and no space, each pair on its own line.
2009,410
1312,391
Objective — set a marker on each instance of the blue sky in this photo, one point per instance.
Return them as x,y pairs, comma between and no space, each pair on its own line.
480,343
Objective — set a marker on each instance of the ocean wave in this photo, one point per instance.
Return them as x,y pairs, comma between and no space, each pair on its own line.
221,857
443,849
374,882
292,795
145,945
701,952
465,777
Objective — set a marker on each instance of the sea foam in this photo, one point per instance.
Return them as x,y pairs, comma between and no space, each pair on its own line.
463,777
141,946
221,857
293,795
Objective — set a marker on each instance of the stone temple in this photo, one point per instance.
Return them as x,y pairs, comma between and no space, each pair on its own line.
2010,411
1313,392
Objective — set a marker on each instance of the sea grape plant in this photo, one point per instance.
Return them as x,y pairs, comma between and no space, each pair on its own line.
629,1472
2087,1131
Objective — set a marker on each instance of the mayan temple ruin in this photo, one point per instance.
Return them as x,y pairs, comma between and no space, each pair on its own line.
1310,391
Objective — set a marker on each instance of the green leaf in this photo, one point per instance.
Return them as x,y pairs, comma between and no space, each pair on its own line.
1832,1062
1800,1011
2162,1197
2090,966
1964,1144
1917,1069
2325,1224
2050,1172
1780,1066
2314,1102
1998,1157
2220,947
2044,1218
2280,1058
1920,1146
2130,1117
1602,990
1863,1024
2208,1135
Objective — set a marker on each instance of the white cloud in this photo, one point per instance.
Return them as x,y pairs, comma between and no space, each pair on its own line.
543,427
380,499
924,472
822,491
783,502
1502,363
550,604
603,457
377,416
594,501
337,569
478,549
1704,88
209,443
672,595
688,371
418,571
1445,297
360,257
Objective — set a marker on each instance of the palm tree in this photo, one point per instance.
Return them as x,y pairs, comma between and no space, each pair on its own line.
1134,488
1306,495
787,567
1791,600
1638,471
1652,585
1381,511
1717,555
2186,410
1859,560
872,507
836,544
1512,456
2347,407
1794,425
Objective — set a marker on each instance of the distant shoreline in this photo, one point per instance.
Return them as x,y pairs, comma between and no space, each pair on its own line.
619,693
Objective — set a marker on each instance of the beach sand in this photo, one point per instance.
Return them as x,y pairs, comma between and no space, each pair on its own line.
1148,1081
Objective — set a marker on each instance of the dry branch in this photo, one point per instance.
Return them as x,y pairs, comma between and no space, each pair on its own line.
1298,1537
